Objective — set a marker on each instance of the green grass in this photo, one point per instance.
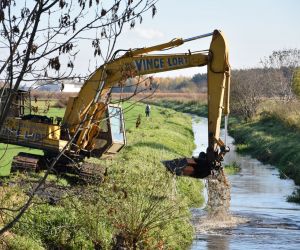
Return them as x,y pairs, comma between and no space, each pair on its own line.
54,112
269,140
139,200
165,135
192,107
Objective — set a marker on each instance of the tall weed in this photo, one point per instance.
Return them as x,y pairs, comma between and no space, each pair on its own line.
286,112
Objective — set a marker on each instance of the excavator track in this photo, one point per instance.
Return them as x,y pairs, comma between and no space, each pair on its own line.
26,162
89,173
92,173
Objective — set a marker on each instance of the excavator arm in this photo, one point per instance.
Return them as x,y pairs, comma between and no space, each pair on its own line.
89,106
218,74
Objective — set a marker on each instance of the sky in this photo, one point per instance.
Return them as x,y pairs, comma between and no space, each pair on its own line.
253,28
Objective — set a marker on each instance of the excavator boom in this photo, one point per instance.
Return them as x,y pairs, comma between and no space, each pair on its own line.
88,116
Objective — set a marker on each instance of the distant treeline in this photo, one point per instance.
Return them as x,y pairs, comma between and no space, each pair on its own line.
281,82
197,83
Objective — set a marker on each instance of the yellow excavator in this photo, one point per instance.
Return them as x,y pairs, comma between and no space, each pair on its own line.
92,127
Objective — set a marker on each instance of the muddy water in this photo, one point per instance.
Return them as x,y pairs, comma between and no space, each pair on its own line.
262,219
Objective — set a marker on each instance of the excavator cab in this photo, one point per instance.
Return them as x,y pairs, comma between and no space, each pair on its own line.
112,137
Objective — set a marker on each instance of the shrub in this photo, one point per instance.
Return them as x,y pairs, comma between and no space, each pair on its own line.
143,207
286,112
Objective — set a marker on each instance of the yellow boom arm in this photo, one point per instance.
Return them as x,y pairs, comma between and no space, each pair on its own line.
89,106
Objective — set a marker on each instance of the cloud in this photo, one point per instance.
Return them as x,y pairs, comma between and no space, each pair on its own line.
148,33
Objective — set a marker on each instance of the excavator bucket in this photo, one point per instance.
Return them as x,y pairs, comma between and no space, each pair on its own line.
192,167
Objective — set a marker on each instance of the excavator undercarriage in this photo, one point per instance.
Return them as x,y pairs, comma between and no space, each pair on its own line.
85,171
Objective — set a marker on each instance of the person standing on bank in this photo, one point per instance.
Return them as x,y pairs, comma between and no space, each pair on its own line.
147,110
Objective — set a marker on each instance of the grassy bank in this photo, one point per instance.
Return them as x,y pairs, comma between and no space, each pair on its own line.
271,141
192,107
139,203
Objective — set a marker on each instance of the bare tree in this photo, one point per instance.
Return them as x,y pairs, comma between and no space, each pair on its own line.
280,68
249,87
40,40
